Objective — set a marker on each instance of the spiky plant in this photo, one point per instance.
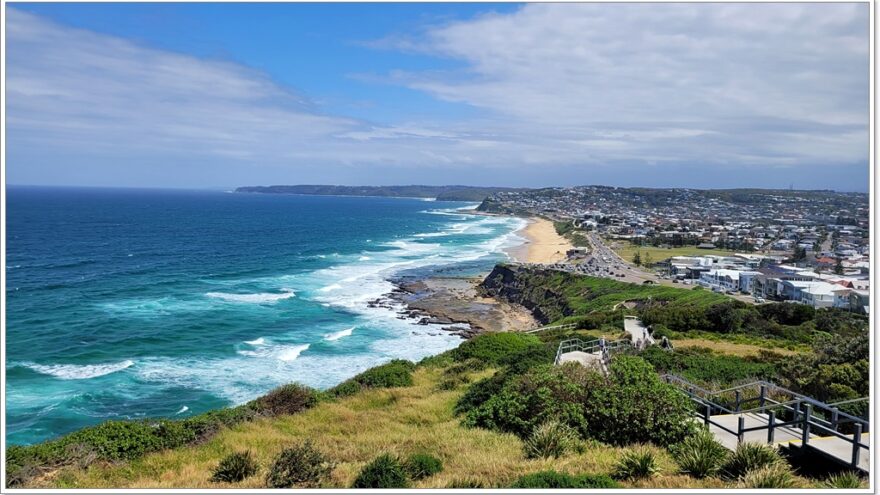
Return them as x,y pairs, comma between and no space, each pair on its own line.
700,455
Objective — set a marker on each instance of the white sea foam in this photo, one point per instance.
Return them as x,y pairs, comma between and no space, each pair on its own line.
182,410
255,342
291,353
259,298
330,287
79,371
338,335
364,258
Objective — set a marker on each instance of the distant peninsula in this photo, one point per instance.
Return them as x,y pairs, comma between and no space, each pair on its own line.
441,193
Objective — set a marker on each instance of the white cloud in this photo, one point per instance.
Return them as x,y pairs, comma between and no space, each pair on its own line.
590,86
659,73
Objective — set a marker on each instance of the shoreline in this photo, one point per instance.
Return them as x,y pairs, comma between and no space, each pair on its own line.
542,245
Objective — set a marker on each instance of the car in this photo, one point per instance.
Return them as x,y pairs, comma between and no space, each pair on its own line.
620,275
675,281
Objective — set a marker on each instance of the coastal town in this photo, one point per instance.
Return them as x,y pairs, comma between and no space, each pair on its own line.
806,247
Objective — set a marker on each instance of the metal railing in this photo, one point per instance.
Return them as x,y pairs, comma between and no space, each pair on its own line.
798,412
591,347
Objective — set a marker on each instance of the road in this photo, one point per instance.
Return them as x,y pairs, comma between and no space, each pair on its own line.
604,262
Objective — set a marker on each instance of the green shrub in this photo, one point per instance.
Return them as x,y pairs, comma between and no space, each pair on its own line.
750,456
636,465
299,466
776,475
397,373
235,467
847,479
420,466
547,392
551,439
384,471
125,440
345,389
480,392
492,348
631,406
700,455
286,399
553,479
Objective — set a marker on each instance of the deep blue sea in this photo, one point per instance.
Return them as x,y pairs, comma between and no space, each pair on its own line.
127,303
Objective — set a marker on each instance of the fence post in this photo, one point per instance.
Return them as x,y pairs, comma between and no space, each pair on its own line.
737,400
805,429
857,438
706,414
763,394
834,417
740,426
771,422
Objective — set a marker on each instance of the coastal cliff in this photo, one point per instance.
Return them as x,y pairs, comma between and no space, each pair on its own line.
524,285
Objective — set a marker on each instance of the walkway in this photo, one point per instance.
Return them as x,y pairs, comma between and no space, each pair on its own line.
782,417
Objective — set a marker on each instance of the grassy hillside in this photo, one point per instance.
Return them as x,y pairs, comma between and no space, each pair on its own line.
494,412
351,427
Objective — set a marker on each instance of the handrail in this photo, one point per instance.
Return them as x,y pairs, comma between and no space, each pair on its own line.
771,387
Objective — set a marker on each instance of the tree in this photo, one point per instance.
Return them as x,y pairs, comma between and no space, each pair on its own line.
637,258
838,266
648,261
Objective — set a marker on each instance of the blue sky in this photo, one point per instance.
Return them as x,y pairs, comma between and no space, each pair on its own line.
219,95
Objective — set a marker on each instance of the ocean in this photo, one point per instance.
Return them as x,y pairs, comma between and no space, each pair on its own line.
134,303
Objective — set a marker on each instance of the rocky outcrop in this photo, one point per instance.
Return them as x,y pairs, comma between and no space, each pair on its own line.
527,286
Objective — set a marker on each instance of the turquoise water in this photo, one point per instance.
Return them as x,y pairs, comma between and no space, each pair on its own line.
145,303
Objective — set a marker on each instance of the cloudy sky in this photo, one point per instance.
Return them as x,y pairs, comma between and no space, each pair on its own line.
220,95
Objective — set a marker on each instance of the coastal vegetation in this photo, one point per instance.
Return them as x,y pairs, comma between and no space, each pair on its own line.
495,412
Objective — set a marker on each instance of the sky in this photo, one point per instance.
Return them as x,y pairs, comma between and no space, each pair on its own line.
201,95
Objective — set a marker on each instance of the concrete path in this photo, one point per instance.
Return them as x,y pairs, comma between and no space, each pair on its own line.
636,330
589,360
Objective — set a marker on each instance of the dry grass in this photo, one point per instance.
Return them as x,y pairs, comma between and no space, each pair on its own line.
352,432
730,347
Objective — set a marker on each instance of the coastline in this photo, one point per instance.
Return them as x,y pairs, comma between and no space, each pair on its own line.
542,245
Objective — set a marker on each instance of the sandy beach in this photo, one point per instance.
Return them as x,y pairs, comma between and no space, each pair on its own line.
543,244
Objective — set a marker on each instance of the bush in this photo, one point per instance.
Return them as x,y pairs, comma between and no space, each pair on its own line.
631,406
397,373
299,466
420,466
480,392
776,475
117,440
636,465
492,348
700,455
345,389
235,467
551,439
848,479
286,399
553,479
547,392
750,456
384,472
